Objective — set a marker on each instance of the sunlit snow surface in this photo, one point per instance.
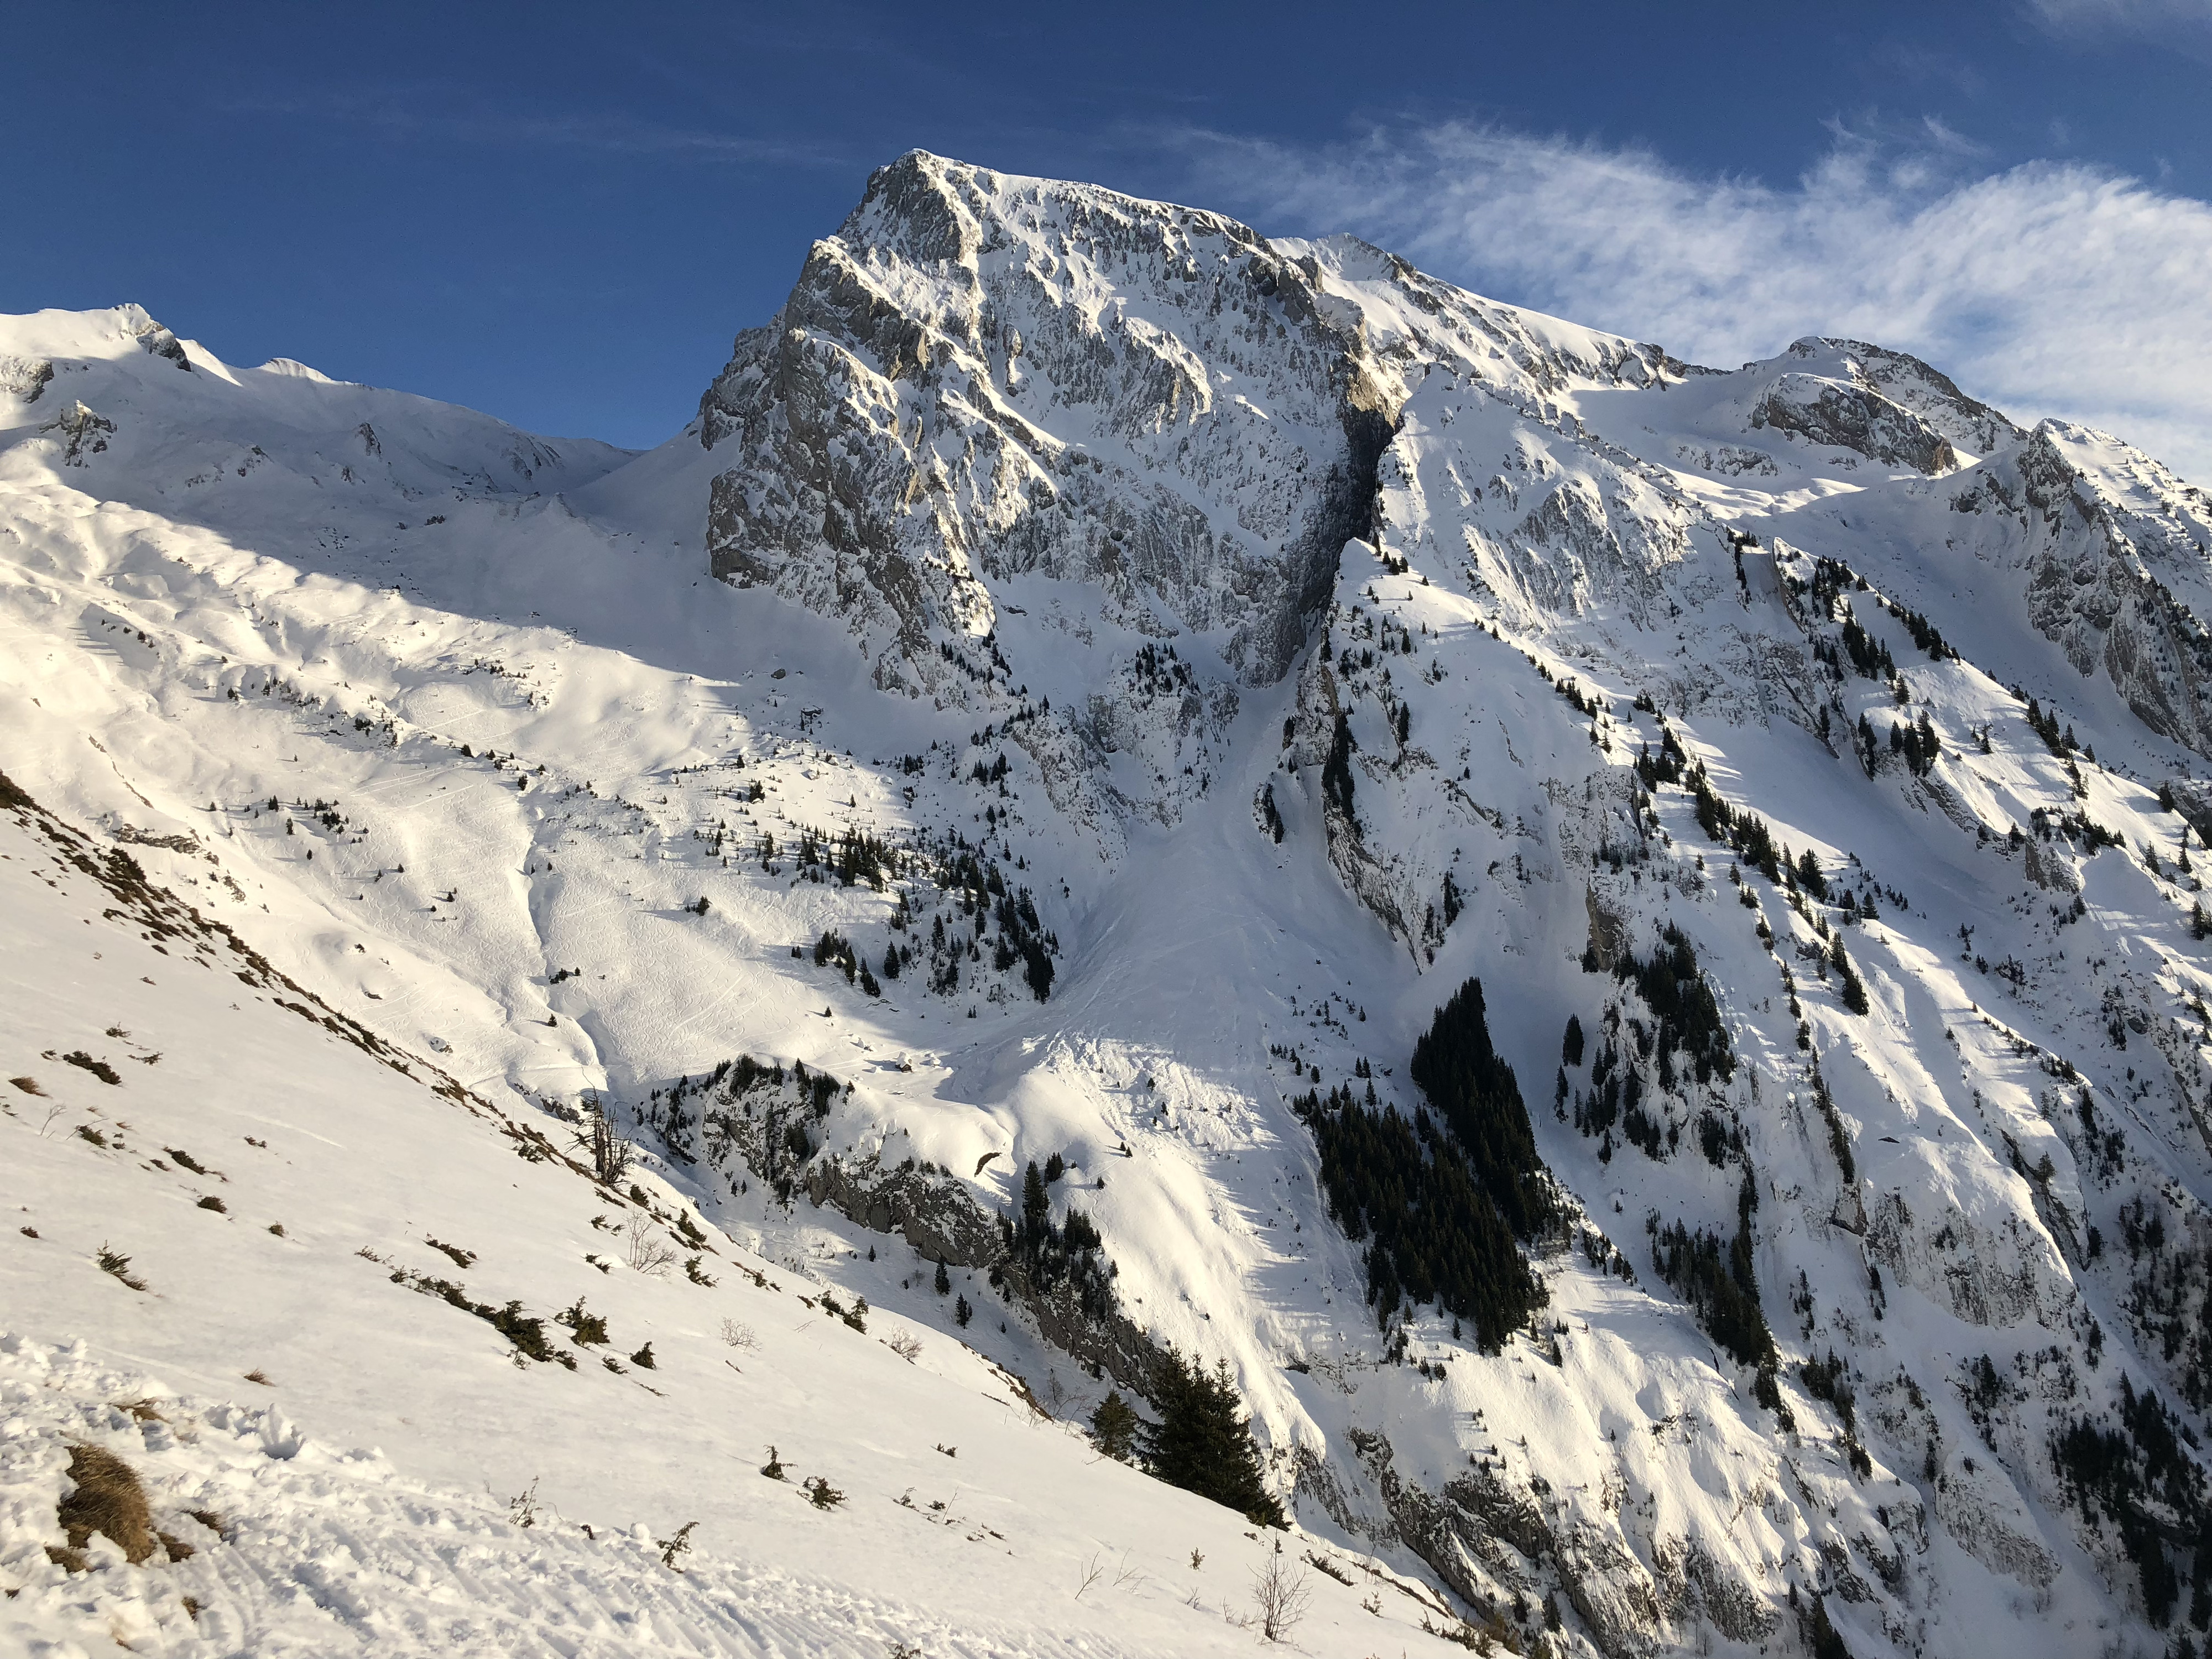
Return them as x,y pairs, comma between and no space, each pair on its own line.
222,586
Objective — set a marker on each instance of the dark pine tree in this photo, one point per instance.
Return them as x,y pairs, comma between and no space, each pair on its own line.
1825,1641
1113,1426
1476,1092
1203,1443
1037,1203
1336,770
943,1281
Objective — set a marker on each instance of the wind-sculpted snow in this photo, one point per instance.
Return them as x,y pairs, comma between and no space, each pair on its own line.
1155,668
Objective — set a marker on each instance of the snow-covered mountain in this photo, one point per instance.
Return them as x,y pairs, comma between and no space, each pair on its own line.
1243,644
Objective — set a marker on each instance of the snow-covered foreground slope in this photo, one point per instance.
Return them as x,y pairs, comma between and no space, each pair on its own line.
355,1462
1155,668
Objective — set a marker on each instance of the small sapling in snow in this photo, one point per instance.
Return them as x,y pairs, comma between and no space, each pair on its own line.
585,1329
118,1266
674,1550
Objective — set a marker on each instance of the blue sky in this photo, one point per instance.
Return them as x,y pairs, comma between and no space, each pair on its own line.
561,213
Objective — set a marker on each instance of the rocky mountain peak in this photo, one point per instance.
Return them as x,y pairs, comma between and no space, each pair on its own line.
983,378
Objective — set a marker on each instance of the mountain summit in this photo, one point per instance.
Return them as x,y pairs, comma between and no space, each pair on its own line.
1136,816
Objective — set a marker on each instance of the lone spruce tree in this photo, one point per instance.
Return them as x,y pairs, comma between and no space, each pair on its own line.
1203,1443
1113,1426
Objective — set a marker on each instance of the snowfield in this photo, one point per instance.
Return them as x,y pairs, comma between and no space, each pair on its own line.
1152,668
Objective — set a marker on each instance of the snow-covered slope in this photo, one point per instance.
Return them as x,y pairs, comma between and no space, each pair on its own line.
1155,667
311,1239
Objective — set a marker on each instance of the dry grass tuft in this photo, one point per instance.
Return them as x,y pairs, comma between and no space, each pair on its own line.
29,1085
257,1374
211,1519
108,1500
144,1411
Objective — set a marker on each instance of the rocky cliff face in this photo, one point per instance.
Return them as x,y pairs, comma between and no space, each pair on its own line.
981,379
2113,547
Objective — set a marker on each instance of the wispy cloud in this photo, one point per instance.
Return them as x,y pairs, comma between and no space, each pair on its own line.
2048,289
2185,24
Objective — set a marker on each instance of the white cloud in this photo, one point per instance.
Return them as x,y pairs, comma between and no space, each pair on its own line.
2186,24
2047,289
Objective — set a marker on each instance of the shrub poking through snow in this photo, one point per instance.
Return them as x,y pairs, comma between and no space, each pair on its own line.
644,1249
99,1069
610,1155
118,1266
585,1329
822,1494
1280,1594
109,1499
460,1257
773,1468
674,1550
525,1332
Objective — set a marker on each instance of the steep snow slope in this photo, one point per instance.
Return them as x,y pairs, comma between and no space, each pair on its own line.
1244,643
346,1466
